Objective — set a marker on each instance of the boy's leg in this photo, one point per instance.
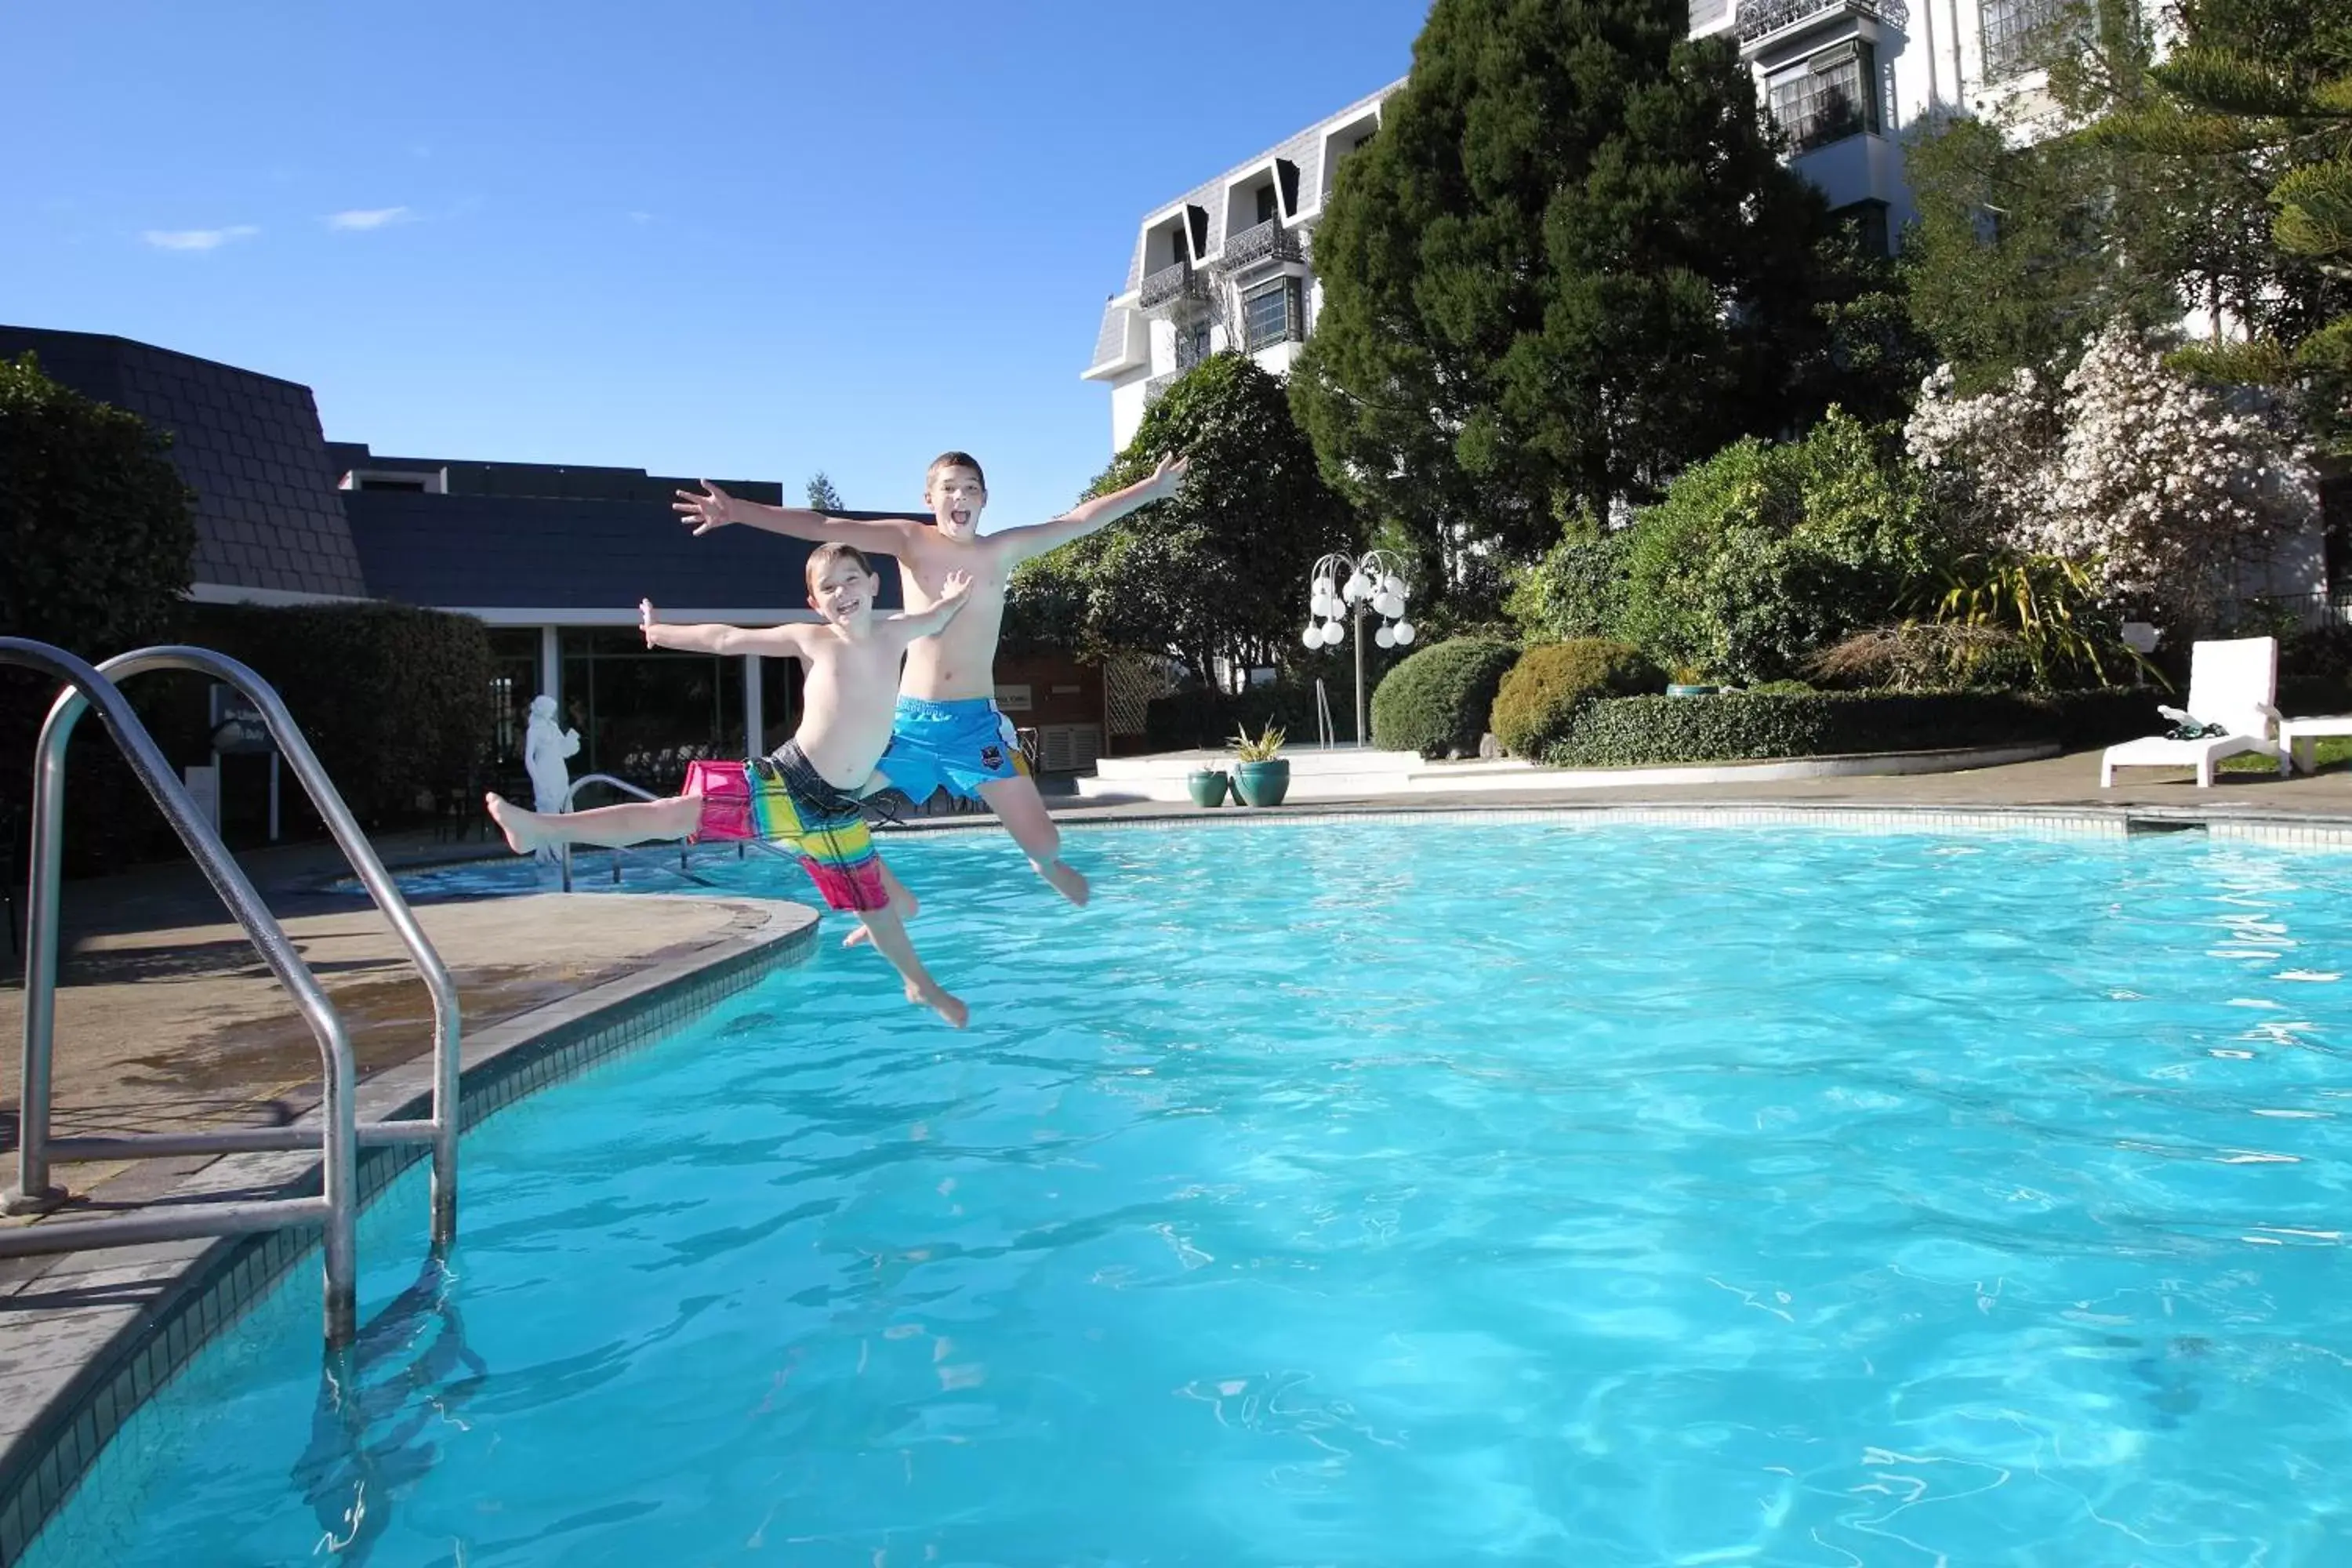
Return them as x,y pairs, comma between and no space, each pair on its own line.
888,934
1022,809
607,827
903,902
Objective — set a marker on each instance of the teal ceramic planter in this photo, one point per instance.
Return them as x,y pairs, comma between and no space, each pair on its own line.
1261,784
1207,786
1679,690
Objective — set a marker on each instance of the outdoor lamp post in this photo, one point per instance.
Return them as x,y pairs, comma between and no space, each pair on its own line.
1348,585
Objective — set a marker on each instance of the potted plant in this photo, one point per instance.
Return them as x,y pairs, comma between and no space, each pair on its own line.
1689,680
1261,774
1207,786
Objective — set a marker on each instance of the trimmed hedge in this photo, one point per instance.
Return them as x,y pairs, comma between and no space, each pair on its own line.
1553,682
394,700
1203,717
1743,726
1437,701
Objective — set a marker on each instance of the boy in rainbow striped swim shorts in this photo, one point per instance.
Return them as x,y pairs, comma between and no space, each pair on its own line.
805,796
949,734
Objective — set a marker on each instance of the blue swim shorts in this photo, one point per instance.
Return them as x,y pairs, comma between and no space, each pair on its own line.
956,746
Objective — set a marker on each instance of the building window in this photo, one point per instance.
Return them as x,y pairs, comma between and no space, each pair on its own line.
1266,212
1829,97
1191,344
1271,314
2017,32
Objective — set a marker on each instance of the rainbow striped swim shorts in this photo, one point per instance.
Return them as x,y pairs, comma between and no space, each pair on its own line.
784,800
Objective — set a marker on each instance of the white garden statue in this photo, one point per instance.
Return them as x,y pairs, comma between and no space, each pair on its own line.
544,748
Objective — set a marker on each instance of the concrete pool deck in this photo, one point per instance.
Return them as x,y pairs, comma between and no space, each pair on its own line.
166,1019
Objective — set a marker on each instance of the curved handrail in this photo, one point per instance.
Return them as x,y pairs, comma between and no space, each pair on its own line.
361,854
626,787
86,688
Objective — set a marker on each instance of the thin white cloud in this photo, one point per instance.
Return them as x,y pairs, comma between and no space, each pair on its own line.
197,238
369,218
641,217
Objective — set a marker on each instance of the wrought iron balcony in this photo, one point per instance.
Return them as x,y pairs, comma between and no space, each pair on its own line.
1159,384
1170,284
1759,19
1268,241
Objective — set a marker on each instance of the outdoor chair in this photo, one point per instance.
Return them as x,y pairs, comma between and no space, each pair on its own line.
2230,689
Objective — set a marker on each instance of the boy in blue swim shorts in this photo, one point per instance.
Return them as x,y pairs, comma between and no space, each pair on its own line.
954,746
947,733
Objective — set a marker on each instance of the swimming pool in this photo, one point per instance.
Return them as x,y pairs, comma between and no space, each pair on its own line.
1382,1194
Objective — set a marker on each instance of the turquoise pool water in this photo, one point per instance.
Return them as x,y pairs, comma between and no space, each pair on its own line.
1367,1194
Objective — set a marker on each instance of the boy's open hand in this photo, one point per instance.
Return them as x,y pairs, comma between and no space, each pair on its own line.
714,507
957,586
646,619
1168,477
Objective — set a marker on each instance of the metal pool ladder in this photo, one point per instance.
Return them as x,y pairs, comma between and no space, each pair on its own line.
620,857
337,1134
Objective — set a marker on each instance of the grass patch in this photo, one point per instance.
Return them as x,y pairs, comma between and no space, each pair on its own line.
2327,752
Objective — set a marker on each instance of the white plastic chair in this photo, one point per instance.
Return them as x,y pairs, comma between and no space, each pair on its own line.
2231,684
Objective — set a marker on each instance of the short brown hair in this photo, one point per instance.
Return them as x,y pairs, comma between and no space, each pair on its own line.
826,554
953,460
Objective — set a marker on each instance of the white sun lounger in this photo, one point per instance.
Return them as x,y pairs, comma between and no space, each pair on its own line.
2231,684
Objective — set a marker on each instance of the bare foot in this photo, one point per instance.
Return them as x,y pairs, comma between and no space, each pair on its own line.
939,1002
857,937
1067,882
511,820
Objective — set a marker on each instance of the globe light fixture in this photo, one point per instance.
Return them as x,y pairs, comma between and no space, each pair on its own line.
1342,588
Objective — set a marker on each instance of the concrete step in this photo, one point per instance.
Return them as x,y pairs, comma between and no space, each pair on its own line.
1345,775
1339,773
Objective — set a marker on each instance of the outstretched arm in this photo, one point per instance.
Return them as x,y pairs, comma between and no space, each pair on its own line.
915,624
714,507
716,638
1019,543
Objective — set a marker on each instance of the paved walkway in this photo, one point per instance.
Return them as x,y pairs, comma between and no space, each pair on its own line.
2065,781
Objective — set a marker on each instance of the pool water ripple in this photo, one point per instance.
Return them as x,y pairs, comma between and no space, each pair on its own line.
1382,1194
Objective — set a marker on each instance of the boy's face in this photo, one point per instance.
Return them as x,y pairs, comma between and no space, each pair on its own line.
844,595
956,496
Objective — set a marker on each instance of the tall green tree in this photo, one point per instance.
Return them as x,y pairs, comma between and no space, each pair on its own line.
1218,571
821,496
1569,263
2259,97
2033,232
2139,189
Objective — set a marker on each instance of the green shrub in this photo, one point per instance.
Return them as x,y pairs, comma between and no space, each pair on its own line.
1577,590
96,541
2315,672
394,700
1766,552
1437,701
1553,682
1752,725
1200,716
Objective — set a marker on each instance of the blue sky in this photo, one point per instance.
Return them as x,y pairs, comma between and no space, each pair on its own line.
755,239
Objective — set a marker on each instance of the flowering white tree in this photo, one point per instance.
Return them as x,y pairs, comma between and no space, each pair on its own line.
2153,481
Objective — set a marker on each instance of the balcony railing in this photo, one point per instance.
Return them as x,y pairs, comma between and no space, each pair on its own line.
1759,19
1159,384
1170,284
1268,241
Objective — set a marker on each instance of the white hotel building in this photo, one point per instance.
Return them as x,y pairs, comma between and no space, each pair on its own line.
1230,261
